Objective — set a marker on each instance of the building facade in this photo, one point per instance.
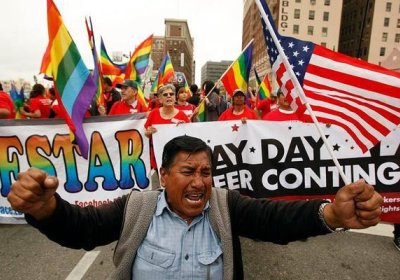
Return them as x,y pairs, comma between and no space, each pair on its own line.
370,29
317,21
212,70
179,44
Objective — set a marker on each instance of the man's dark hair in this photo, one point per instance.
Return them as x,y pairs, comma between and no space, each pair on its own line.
1,86
183,143
107,81
37,90
207,86
194,88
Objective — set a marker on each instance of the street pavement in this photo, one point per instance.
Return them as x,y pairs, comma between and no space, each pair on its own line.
26,254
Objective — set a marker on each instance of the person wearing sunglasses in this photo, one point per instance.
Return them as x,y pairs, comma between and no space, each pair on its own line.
166,114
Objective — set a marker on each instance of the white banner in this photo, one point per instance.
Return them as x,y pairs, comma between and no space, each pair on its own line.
280,160
118,159
288,160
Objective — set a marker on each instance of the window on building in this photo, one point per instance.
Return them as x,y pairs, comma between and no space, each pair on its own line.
298,1
386,22
327,2
312,2
323,44
384,37
297,13
388,6
324,31
398,23
382,51
397,38
326,16
295,29
311,15
310,30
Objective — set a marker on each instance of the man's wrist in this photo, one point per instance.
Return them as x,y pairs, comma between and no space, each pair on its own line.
326,216
46,211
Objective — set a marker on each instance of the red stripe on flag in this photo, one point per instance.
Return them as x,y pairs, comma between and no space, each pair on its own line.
355,98
363,147
229,81
367,118
354,81
337,57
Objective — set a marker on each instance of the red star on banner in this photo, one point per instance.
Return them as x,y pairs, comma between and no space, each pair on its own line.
235,127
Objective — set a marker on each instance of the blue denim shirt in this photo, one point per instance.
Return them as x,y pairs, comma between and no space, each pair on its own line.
173,249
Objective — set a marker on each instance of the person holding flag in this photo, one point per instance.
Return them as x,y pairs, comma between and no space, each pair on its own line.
211,101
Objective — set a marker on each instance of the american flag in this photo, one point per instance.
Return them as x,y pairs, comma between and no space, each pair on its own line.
362,98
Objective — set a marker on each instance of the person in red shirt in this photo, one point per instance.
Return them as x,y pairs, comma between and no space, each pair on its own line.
266,105
283,113
182,104
155,102
7,108
166,114
239,109
55,108
129,103
39,105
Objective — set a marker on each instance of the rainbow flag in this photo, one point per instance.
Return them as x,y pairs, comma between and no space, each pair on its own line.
264,87
139,60
165,74
107,66
18,98
73,83
141,99
97,76
237,75
187,88
202,112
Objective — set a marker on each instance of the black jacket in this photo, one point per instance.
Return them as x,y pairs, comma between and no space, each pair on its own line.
262,219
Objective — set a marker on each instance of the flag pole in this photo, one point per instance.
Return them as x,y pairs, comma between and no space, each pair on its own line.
300,91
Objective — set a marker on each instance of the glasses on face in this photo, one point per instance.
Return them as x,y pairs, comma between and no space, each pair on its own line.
165,94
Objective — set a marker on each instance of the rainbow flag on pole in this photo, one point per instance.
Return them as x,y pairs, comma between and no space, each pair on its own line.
237,75
264,87
139,60
202,112
165,74
73,82
107,66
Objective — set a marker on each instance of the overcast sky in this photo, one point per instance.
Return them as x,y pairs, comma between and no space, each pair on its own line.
215,25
